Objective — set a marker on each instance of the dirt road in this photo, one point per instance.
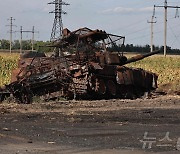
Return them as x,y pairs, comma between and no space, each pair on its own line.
107,126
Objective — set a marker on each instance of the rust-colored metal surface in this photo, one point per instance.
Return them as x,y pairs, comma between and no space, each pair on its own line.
87,64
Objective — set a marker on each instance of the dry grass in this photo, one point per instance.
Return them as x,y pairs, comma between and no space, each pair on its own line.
7,63
167,68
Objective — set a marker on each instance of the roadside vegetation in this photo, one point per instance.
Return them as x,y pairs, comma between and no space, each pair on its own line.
8,62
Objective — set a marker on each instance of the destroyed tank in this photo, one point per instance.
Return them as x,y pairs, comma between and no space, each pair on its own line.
87,64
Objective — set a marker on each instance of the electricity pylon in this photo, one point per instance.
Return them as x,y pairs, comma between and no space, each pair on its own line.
58,25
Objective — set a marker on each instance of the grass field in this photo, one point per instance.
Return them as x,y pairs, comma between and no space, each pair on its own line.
7,63
167,68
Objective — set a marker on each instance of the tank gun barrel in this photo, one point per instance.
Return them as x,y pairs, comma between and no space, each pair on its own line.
141,56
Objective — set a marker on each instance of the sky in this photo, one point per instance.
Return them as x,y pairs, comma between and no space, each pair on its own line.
122,17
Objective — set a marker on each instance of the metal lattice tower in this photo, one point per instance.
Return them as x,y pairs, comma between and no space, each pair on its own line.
58,25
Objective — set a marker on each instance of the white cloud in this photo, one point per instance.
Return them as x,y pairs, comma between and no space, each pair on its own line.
121,9
127,10
146,9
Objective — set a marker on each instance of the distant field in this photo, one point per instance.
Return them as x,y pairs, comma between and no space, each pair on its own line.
167,68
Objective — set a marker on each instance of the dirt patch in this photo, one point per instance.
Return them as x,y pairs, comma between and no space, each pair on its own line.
170,88
101,126
77,107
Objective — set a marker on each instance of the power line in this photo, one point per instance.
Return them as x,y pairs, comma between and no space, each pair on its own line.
145,28
11,19
126,27
135,23
166,6
174,34
156,32
27,31
33,33
58,25
137,31
136,38
152,22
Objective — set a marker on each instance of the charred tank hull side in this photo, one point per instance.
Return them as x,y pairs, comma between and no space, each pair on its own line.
115,81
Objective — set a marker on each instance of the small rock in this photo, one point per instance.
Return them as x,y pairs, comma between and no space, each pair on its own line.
15,120
51,142
6,129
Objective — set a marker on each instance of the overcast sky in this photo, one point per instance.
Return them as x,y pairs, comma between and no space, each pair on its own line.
122,17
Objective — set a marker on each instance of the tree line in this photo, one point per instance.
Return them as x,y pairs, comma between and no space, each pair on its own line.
146,48
26,45
42,46
142,49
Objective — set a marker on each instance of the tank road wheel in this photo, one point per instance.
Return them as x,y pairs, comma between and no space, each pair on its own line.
26,96
26,99
100,87
112,88
23,95
2,97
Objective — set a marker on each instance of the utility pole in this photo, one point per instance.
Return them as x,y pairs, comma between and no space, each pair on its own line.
11,31
33,33
165,28
58,25
26,31
21,32
152,22
166,6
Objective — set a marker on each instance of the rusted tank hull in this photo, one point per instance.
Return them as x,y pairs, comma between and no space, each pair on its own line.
109,82
83,67
46,76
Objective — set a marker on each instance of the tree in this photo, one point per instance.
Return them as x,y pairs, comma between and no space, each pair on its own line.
16,45
4,44
41,46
